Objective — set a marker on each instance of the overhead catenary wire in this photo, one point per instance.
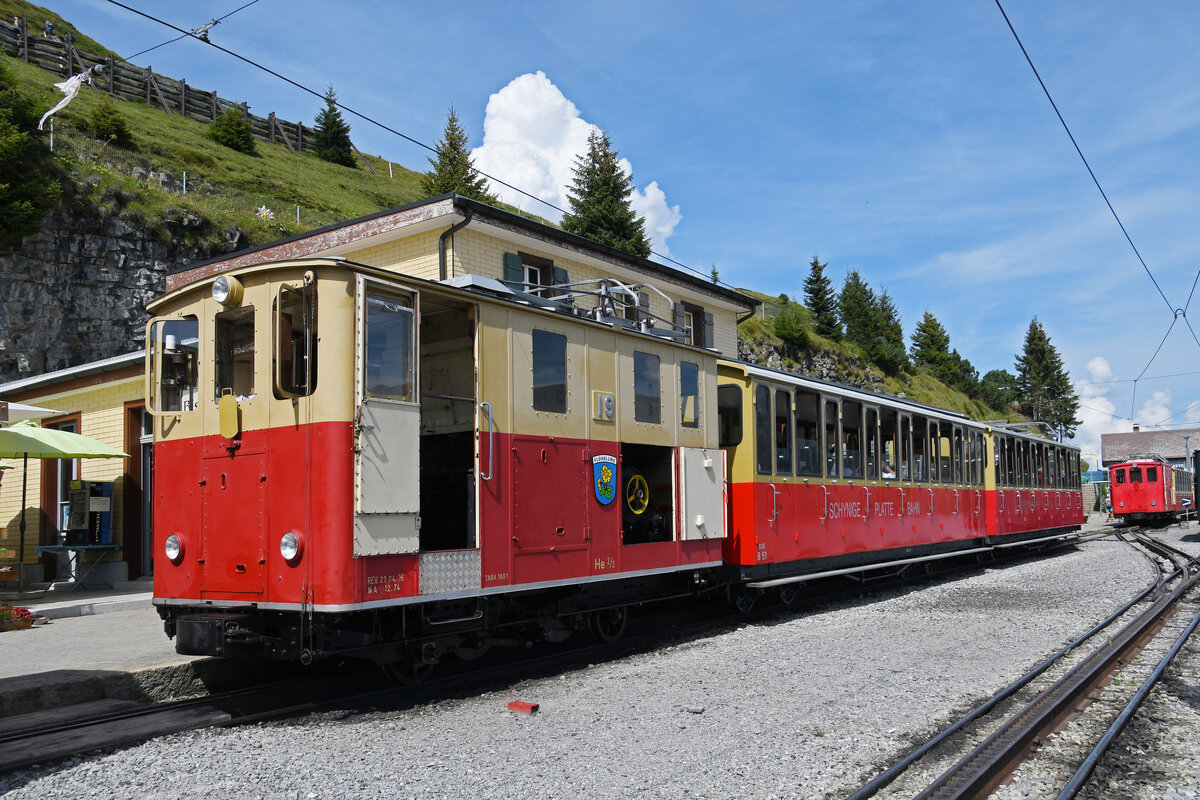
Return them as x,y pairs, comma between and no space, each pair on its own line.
195,32
371,120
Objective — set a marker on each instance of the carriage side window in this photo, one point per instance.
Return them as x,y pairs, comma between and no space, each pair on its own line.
234,355
729,415
389,367
871,443
920,434
549,372
852,439
958,454
647,388
887,435
689,394
783,432
174,380
833,459
295,355
764,437
941,453
1135,474
808,433
906,454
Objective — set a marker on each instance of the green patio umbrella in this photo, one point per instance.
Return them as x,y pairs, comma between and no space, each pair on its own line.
27,440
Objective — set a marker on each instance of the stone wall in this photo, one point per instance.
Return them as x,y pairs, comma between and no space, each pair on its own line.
76,291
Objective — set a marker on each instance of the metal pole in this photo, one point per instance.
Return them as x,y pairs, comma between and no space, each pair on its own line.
21,552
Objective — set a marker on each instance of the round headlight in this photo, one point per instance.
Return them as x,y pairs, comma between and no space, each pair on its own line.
173,548
227,290
290,546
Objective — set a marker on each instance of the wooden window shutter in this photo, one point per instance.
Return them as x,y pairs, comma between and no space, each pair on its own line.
514,272
708,340
678,317
561,277
643,309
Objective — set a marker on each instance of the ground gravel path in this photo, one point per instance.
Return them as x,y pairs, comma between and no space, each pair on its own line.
808,705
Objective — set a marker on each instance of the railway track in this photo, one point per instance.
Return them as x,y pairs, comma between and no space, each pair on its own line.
976,754
44,737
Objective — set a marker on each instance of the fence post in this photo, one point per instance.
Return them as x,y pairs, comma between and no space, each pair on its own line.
213,113
146,79
110,67
183,96
271,127
23,34
300,137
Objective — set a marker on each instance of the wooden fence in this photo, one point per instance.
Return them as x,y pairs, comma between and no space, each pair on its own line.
129,82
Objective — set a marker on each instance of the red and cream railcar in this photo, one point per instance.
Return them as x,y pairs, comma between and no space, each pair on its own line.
1149,490
351,461
824,479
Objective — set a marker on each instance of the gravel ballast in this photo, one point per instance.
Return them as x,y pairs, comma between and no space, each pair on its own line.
812,704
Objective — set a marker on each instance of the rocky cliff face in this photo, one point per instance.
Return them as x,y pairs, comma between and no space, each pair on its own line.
821,364
77,290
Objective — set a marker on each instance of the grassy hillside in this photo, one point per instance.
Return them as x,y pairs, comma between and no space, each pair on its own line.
226,188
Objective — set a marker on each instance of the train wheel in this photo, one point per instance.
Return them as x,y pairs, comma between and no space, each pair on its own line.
637,494
608,624
741,598
407,673
786,594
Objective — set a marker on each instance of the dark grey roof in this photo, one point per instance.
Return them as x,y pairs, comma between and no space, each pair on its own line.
1171,445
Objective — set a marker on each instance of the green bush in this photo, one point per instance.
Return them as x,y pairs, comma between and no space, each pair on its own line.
107,124
791,328
233,130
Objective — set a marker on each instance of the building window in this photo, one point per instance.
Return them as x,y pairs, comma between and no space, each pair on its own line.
647,388
549,372
528,273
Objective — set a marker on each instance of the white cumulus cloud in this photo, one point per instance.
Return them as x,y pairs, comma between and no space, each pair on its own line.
531,136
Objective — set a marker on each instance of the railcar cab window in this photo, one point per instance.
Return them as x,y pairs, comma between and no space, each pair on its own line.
174,359
295,356
1151,474
689,394
808,433
390,363
549,372
729,415
234,342
1118,475
1135,474
647,388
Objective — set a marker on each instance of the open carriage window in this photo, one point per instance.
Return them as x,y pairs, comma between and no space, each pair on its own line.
295,355
173,379
235,353
689,394
808,433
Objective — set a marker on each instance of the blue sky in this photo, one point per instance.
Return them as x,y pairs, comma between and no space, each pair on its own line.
909,141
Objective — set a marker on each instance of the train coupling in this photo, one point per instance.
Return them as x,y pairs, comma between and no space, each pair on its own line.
232,634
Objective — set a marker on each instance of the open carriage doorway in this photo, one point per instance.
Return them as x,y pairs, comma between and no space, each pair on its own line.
448,419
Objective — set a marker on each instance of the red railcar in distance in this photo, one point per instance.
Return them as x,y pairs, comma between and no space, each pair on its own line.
1149,490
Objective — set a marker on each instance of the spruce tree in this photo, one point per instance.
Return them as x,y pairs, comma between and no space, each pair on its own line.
232,130
599,198
930,344
872,323
331,136
820,300
1045,393
453,170
998,389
